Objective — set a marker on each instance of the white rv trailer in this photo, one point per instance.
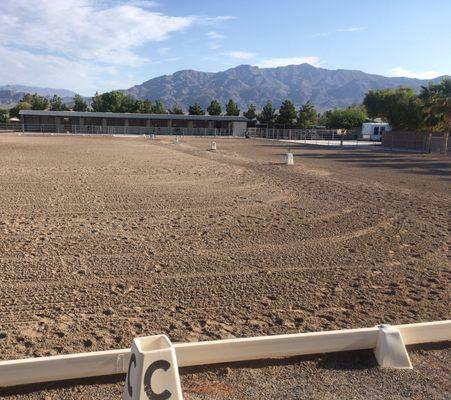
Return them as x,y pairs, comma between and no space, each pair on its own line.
374,130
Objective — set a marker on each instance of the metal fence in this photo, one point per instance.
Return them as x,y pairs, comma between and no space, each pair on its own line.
332,137
293,134
425,142
11,127
114,130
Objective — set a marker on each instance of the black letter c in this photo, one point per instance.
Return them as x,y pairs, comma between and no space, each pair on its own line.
129,387
151,395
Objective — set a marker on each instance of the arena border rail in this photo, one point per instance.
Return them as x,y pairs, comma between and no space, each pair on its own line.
111,362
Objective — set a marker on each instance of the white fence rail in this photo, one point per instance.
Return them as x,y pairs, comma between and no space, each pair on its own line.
113,130
295,134
54,368
331,137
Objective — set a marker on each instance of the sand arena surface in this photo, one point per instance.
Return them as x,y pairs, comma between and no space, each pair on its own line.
105,239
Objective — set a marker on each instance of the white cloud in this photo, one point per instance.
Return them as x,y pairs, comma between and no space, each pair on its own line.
81,29
215,38
143,3
240,55
23,67
215,35
163,50
282,62
81,44
350,29
400,71
321,34
213,45
219,18
345,30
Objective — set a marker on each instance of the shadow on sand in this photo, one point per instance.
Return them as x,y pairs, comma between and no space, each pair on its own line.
374,157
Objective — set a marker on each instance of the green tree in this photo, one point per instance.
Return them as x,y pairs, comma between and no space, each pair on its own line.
114,101
144,106
268,114
401,107
214,108
158,107
308,116
128,104
22,105
175,110
79,103
196,109
322,118
232,108
97,103
287,113
436,100
56,104
37,102
351,117
251,112
4,116
376,103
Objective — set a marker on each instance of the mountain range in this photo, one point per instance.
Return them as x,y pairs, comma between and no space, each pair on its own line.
12,94
246,84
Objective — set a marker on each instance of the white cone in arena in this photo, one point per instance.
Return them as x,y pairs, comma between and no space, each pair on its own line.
390,350
153,371
289,160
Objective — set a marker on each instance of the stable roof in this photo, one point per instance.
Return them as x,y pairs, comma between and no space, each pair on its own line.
88,114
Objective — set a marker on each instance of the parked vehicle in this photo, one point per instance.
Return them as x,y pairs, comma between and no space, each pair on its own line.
374,130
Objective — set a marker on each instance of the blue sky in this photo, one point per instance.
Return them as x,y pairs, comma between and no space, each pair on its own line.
88,45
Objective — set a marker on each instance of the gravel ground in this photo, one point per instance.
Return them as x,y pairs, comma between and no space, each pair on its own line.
105,239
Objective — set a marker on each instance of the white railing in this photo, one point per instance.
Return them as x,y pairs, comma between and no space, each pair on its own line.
294,134
113,130
72,366
10,127
330,137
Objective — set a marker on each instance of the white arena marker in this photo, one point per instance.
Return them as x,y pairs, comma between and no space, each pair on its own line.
176,140
390,350
110,362
213,146
289,160
153,371
152,136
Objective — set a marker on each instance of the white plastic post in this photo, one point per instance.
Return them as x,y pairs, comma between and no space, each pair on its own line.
213,146
153,371
390,350
289,160
152,136
176,140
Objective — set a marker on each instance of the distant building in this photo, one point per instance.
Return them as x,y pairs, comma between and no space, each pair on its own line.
128,123
374,130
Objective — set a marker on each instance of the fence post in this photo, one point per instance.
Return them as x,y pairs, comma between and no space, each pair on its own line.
444,148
